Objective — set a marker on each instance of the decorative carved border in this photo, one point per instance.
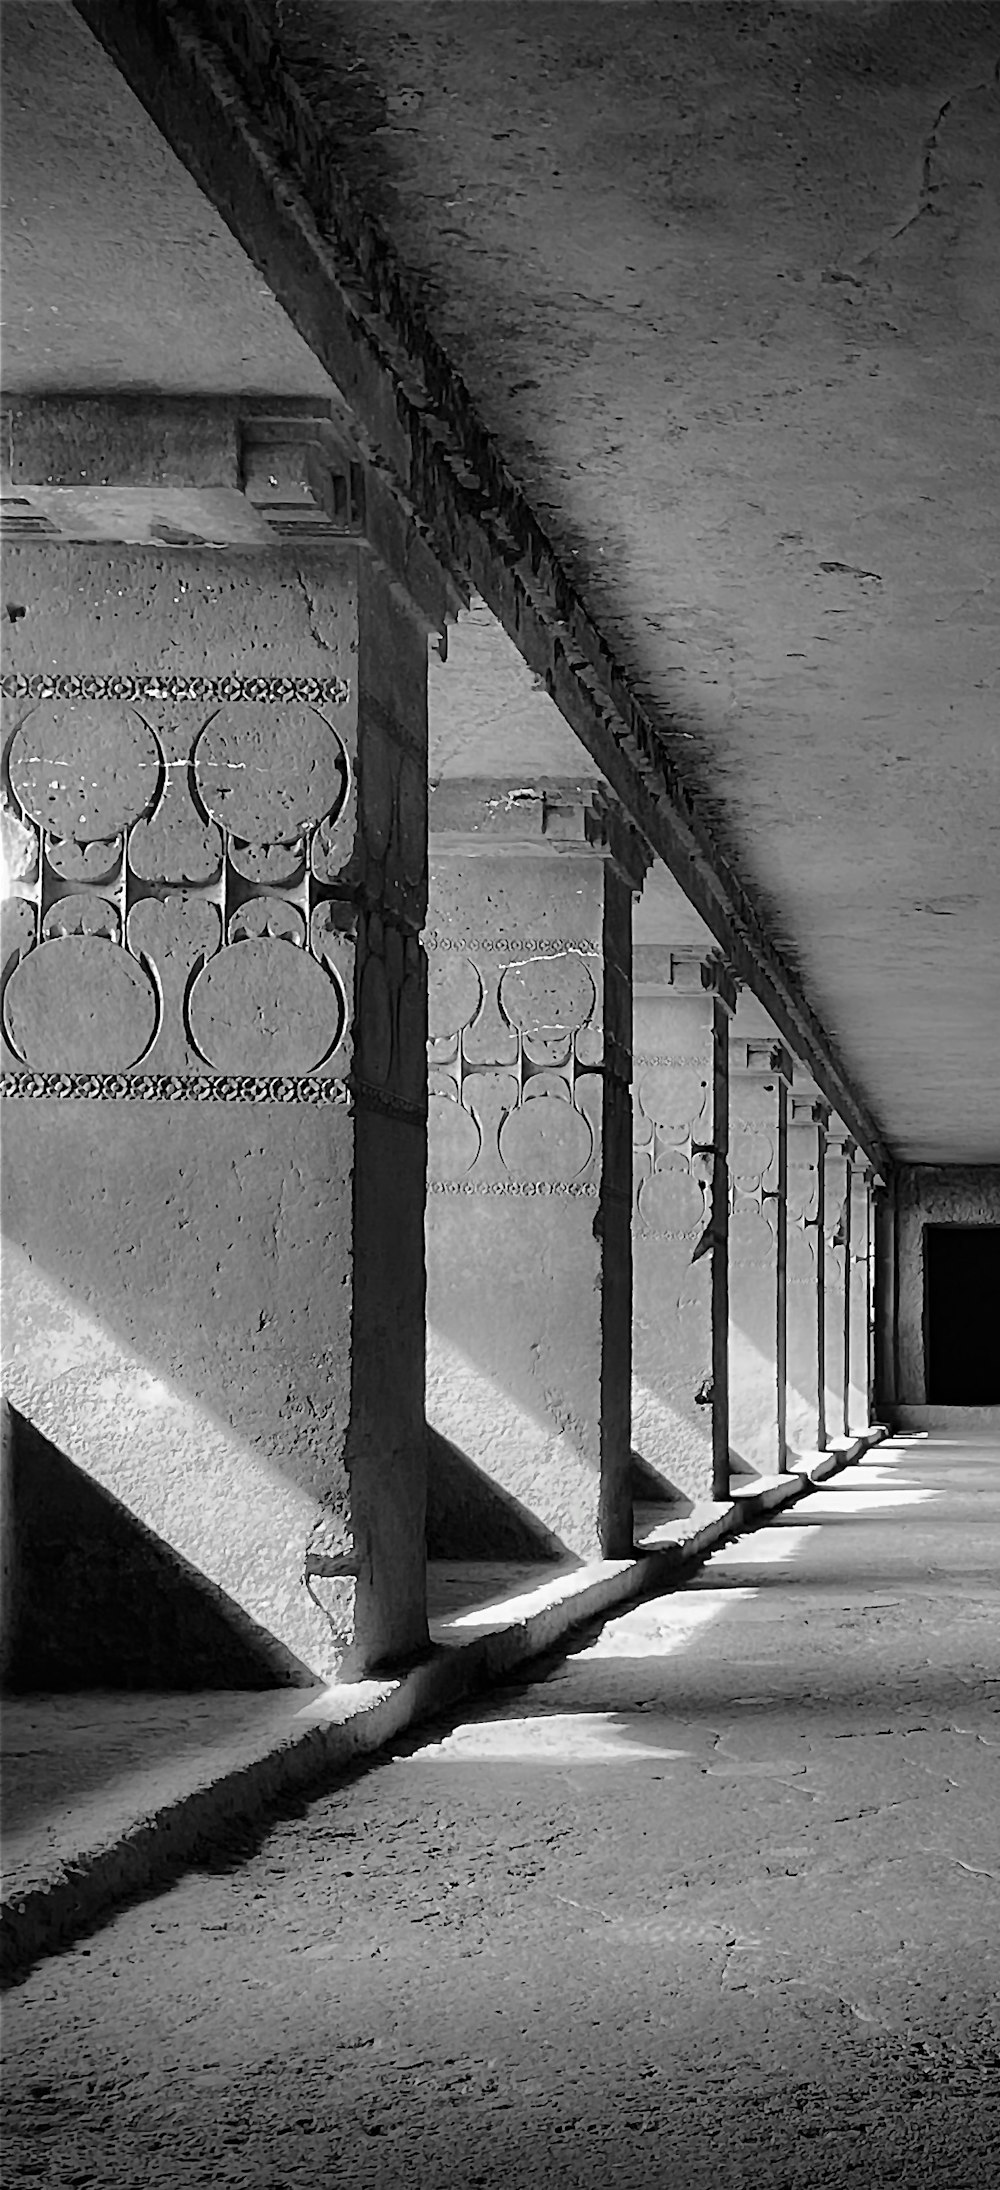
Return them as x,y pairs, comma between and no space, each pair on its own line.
171,1088
274,691
511,945
693,1064
542,1187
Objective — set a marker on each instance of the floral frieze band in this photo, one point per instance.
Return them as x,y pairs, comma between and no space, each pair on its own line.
572,1187
513,946
175,1087
170,1088
270,691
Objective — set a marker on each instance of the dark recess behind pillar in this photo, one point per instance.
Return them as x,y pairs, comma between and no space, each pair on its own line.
100,1602
962,1314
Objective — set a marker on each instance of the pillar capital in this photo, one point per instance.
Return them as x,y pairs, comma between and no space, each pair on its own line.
210,472
806,1109
687,972
840,1142
760,1059
493,816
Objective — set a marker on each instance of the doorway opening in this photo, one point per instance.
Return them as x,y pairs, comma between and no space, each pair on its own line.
962,1314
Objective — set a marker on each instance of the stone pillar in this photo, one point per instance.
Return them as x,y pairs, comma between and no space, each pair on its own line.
760,1073
808,1118
840,1154
859,1306
884,1297
682,1001
528,1220
214,1023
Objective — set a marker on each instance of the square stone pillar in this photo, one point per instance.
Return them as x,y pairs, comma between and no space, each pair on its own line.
860,1302
760,1073
214,1024
682,1004
840,1154
808,1118
884,1296
528,1217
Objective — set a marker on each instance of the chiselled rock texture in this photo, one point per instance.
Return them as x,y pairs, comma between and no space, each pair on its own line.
682,1007
214,1013
527,1231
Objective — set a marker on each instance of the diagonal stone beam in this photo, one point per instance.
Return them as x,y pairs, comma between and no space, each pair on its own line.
215,83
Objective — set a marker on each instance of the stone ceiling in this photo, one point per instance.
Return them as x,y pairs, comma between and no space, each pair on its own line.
724,283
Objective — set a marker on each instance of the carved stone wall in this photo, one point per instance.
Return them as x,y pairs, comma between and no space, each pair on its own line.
214,1025
528,1248
758,1098
682,1008
805,1274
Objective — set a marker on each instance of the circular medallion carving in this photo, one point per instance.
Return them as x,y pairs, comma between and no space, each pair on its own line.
672,1201
548,998
546,1139
85,772
750,1155
264,1006
269,774
80,1004
454,994
452,1139
672,1095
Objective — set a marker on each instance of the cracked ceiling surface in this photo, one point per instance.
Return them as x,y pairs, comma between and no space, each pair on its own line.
724,282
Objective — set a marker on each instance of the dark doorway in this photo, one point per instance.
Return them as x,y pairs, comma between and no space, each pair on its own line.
962,1314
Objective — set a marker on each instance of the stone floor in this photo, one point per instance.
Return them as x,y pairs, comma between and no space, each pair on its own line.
712,1901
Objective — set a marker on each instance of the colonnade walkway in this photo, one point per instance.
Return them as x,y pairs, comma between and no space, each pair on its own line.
713,1900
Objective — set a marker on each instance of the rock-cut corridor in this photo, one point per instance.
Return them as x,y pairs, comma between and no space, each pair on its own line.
711,1901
